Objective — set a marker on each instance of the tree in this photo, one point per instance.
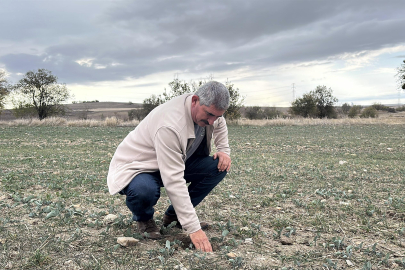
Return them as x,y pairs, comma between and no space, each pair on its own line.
305,106
324,101
178,88
41,91
317,103
346,108
4,89
401,75
235,102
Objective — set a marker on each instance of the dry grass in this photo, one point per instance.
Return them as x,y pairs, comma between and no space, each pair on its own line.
115,122
59,121
317,122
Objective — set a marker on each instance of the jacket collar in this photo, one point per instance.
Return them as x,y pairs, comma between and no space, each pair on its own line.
190,122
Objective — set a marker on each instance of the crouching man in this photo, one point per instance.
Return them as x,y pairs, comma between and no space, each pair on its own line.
171,148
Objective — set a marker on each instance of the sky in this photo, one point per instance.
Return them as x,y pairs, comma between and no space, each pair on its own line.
271,50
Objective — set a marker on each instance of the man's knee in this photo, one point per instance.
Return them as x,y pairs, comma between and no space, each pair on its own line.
142,190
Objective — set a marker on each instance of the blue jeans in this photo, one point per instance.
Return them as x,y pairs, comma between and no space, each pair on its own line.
143,192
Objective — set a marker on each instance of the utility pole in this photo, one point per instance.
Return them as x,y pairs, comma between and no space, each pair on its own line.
293,88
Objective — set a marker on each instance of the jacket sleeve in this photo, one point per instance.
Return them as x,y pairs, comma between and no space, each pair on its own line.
220,135
170,160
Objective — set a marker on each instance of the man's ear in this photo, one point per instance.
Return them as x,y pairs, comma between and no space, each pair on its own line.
194,99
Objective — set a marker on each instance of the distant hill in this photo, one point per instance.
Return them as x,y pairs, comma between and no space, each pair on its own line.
90,110
101,110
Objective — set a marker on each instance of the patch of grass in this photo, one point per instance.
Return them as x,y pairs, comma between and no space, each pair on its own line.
298,196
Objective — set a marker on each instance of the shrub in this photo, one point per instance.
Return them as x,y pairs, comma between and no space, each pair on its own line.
401,109
272,113
254,112
354,111
137,114
369,112
380,107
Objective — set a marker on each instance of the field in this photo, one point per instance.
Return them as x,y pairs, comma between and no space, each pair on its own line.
297,197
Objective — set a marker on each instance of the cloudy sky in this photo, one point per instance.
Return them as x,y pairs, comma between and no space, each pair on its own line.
126,50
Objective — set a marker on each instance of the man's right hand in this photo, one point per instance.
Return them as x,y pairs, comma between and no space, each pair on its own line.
200,241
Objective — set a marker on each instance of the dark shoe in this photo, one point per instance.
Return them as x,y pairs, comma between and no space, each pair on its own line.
153,232
167,220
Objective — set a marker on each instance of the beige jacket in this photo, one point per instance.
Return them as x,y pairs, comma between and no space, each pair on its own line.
160,142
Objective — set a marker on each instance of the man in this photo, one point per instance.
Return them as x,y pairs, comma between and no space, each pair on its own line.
170,148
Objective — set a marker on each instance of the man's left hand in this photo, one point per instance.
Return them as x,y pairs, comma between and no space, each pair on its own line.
224,162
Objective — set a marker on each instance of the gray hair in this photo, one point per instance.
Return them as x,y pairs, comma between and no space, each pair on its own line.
214,93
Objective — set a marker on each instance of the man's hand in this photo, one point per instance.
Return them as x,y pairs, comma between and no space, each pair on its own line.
200,241
224,162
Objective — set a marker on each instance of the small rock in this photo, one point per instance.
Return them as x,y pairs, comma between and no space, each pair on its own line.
249,241
245,229
341,162
389,149
349,191
231,196
231,255
127,241
286,241
9,265
349,263
110,218
344,203
180,267
323,201
70,264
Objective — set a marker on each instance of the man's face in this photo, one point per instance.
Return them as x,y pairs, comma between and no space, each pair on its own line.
203,115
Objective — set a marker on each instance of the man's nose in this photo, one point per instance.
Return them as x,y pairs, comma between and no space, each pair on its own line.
211,120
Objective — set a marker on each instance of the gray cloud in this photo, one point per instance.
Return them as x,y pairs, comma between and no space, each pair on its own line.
138,38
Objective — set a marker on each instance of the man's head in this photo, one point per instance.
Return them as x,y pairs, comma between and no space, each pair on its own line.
209,102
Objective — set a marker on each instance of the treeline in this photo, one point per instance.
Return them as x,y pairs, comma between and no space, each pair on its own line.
38,94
